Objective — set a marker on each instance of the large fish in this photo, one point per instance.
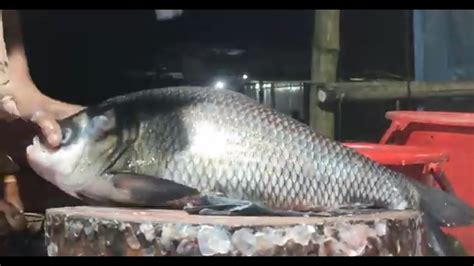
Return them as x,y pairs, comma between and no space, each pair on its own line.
225,154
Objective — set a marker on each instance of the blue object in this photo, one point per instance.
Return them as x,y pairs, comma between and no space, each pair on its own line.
444,45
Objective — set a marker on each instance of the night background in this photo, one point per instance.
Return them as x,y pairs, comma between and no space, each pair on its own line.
85,56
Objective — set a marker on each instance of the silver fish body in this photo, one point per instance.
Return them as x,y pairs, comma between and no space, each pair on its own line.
171,146
220,141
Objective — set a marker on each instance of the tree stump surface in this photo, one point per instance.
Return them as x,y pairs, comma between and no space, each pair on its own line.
99,231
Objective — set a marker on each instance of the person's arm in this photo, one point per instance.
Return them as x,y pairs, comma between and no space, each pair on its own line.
17,62
3,55
20,97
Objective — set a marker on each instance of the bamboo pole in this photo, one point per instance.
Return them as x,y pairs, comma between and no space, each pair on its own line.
392,90
325,53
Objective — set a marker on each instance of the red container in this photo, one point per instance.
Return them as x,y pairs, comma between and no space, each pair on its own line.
417,162
453,135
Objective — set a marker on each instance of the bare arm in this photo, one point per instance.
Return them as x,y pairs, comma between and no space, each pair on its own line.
3,55
17,61
20,97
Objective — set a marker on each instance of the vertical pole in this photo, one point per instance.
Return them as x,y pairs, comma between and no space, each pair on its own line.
325,54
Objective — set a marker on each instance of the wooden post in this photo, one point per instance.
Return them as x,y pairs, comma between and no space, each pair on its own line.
97,231
325,53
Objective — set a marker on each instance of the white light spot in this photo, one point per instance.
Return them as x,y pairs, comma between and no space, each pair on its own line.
322,96
219,85
210,141
245,76
162,14
401,205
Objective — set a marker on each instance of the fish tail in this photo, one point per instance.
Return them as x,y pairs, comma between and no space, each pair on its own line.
441,209
437,240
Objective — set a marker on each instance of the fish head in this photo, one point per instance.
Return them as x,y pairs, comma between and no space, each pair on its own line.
87,141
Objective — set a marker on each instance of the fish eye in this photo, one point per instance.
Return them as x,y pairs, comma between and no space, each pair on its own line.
67,133
103,123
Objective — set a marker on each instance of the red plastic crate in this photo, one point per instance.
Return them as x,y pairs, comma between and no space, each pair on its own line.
417,162
453,135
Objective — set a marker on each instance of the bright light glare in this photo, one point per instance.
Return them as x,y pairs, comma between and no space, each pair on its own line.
245,76
219,85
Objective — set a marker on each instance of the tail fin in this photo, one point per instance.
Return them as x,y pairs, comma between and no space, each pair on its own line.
437,240
442,209
445,209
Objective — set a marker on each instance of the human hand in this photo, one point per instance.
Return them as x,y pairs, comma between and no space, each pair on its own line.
22,99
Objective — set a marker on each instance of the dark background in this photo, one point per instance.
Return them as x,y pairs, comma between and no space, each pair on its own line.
85,56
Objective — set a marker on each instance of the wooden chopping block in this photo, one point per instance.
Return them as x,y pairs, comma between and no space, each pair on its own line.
97,231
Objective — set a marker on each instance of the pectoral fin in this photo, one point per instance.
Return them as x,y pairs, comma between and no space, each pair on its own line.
214,204
151,191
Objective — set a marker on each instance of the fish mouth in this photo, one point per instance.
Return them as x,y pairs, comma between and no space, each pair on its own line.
38,147
53,164
39,156
38,144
